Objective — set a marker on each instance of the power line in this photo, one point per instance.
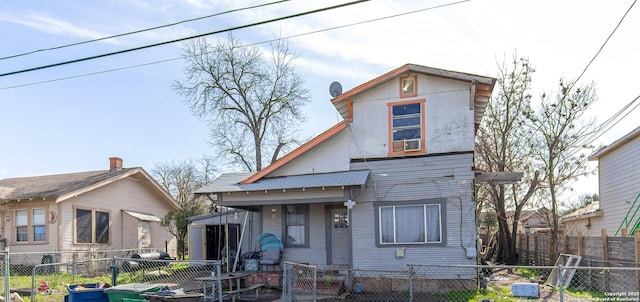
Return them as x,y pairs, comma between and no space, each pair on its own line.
601,47
591,138
184,39
141,30
256,43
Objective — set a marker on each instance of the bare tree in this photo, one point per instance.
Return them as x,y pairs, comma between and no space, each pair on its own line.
502,146
558,142
181,179
251,103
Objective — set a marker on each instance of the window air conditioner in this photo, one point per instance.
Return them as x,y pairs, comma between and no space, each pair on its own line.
412,144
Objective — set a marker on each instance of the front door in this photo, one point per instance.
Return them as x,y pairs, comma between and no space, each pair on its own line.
340,238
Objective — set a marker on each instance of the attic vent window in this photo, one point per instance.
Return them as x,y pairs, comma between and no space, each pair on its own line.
408,86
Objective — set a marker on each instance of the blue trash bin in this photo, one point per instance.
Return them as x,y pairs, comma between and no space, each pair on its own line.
86,293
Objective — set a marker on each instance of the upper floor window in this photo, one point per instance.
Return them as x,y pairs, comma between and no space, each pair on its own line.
92,226
411,223
406,127
30,225
296,218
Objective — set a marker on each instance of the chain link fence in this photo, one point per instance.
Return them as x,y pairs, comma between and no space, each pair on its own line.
42,277
47,279
462,283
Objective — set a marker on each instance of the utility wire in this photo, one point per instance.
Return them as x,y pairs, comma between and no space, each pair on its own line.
603,44
606,126
141,30
588,141
256,43
184,39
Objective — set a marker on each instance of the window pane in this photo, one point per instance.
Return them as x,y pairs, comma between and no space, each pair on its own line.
433,223
83,226
39,233
21,234
296,224
102,227
39,217
410,224
21,217
386,224
411,120
406,109
411,133
340,220
295,235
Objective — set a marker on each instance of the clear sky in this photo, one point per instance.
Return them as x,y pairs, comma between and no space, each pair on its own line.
55,126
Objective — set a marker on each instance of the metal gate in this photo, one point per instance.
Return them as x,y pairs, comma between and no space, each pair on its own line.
299,282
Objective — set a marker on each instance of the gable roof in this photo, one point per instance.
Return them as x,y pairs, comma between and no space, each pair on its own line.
623,140
483,87
64,186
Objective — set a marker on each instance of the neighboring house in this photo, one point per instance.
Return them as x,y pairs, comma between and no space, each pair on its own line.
619,185
531,221
390,185
115,209
582,220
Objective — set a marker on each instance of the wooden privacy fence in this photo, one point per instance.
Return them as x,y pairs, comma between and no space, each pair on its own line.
596,251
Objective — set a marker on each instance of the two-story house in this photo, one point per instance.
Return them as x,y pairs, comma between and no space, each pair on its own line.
390,185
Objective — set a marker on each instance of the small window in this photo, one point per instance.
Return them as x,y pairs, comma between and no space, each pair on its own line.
92,226
410,224
296,225
408,86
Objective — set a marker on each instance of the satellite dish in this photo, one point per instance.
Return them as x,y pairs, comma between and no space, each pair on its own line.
335,89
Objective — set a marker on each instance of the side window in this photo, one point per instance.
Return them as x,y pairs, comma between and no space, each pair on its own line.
296,225
39,225
406,127
30,225
411,223
92,226
22,225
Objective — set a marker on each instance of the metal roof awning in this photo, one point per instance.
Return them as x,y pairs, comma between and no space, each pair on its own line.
230,183
143,217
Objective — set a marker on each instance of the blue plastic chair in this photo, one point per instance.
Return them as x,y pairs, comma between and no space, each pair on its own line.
269,240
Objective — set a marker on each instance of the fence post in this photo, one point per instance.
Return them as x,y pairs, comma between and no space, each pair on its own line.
580,245
535,249
528,262
7,273
114,271
410,282
637,237
560,282
74,266
605,257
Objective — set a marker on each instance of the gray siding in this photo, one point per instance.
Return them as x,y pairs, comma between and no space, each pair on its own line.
445,176
619,177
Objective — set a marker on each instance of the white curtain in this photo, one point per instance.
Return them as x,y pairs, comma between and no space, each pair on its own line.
433,223
410,224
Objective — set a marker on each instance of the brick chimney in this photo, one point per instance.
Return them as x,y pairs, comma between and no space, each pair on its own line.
115,164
